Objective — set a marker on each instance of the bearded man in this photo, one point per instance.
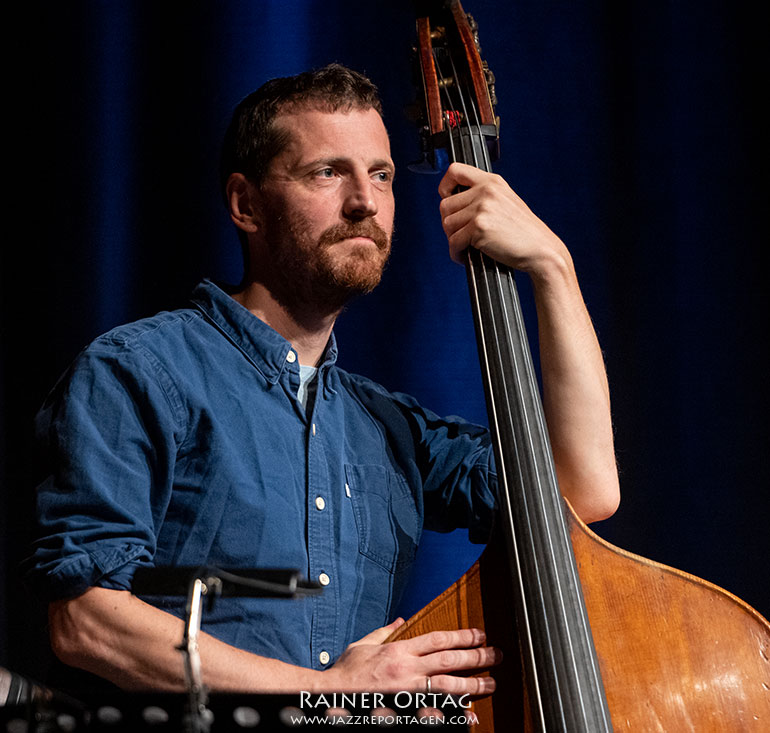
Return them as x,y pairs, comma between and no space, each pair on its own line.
226,435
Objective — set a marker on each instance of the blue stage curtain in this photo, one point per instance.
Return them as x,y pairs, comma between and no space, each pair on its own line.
630,128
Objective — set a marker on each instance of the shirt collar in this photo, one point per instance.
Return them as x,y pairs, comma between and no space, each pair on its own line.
263,346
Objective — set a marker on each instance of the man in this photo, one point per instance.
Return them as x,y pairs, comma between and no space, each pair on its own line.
226,435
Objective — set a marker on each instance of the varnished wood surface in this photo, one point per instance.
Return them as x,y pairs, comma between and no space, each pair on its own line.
429,77
482,599
677,653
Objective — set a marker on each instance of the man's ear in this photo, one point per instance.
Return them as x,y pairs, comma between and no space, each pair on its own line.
242,197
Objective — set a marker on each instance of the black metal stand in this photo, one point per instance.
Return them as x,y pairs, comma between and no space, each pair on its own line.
212,583
199,717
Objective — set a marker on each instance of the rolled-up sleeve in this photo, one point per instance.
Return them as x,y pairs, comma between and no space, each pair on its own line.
108,434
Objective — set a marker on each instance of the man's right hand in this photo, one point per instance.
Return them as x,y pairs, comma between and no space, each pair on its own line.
370,664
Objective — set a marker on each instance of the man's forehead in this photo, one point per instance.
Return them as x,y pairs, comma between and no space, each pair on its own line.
315,127
313,107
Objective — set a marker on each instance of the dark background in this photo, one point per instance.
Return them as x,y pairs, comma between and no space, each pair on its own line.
631,128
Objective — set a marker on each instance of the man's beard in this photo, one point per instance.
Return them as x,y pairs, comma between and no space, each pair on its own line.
309,278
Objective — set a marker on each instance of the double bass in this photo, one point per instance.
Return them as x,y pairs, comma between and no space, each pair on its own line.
594,637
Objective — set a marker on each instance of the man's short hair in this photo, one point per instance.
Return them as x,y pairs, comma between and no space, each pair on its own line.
253,139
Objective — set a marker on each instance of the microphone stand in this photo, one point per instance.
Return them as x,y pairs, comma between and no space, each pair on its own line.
198,718
213,582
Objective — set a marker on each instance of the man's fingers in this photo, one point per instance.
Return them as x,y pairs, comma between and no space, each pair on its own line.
456,202
435,641
380,635
474,686
451,660
458,174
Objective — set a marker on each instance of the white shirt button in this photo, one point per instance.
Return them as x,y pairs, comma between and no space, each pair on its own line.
320,504
291,357
324,657
324,579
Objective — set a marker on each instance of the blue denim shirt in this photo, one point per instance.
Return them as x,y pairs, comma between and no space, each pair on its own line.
179,440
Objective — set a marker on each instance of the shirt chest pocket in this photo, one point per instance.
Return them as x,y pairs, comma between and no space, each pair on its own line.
387,521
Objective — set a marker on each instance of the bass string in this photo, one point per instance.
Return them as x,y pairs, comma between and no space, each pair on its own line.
473,128
556,522
494,416
557,517
547,518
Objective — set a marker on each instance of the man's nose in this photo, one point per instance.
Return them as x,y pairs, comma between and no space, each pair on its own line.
360,201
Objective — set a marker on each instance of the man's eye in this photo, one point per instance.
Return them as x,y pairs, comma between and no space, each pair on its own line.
382,176
325,173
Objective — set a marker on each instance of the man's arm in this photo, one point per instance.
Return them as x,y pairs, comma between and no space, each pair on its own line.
117,636
488,215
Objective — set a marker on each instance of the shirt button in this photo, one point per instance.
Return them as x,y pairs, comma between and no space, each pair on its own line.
324,657
291,357
324,579
320,504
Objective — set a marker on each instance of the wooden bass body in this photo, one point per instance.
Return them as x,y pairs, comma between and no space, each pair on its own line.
676,653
